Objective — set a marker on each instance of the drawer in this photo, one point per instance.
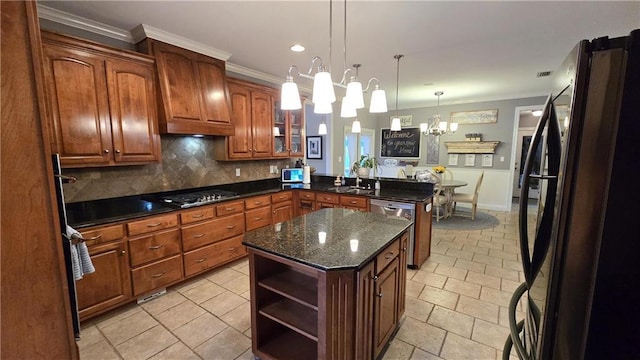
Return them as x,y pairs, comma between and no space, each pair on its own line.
103,234
258,218
387,255
152,224
354,201
199,214
154,247
256,202
328,198
156,275
213,255
231,207
307,195
206,233
282,196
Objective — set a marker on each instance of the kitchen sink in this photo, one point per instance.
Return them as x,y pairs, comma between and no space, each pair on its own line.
351,190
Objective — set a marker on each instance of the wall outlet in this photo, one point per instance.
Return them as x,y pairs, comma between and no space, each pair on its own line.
501,158
339,159
237,171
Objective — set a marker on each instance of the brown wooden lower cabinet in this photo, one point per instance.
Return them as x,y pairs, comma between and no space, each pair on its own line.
301,312
157,275
213,255
110,285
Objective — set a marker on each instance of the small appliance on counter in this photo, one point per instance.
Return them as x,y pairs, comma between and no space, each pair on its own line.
294,175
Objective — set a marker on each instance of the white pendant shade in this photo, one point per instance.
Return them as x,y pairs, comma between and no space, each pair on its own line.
442,126
322,129
322,108
354,94
346,109
290,96
424,127
453,126
395,124
323,88
276,131
355,127
378,101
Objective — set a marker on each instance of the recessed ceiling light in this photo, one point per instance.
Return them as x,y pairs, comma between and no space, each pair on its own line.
297,48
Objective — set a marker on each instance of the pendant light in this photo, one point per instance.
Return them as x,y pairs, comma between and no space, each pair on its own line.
355,127
438,127
395,122
322,129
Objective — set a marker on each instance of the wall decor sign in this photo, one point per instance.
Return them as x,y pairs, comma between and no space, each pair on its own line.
470,160
487,160
453,160
475,117
401,144
314,147
405,120
433,149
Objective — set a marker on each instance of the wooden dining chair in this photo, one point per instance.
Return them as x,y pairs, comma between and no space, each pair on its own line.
468,198
440,202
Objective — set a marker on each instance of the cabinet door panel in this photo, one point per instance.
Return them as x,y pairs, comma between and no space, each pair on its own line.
240,144
282,211
261,114
110,284
386,306
76,89
178,79
133,112
215,102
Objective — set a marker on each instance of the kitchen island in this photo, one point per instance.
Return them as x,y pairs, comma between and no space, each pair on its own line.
327,285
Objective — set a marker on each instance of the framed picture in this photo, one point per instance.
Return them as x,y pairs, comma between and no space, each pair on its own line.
314,147
453,159
470,160
475,117
487,160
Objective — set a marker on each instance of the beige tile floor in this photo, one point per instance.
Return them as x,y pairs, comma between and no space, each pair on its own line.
456,308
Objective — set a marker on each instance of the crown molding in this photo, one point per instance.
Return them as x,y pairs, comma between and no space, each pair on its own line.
143,31
81,23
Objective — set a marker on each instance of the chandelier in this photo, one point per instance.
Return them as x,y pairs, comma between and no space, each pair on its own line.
436,126
323,94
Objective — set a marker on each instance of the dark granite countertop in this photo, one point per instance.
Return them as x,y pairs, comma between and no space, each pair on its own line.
105,211
352,238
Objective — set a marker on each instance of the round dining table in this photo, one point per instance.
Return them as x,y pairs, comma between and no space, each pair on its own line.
448,188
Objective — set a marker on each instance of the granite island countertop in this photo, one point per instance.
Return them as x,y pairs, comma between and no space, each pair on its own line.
351,238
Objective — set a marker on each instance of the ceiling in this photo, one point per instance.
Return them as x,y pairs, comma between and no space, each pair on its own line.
473,51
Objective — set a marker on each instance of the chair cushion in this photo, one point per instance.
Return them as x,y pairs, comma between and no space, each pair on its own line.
461,197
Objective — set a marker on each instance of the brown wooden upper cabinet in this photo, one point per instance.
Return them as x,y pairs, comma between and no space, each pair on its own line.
194,91
101,103
252,117
289,139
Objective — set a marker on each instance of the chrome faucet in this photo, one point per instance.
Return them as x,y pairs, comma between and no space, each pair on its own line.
358,181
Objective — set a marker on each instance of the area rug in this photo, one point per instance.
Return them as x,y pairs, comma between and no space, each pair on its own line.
462,221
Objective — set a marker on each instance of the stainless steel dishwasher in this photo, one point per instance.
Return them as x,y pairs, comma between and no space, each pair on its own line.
399,209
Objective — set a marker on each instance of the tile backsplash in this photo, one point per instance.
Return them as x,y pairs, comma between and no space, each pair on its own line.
187,162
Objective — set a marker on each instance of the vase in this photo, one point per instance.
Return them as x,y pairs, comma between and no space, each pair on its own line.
363,172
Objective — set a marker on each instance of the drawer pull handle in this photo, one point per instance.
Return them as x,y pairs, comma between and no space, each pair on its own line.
282,197
201,260
232,249
155,276
353,202
389,255
96,237
154,225
374,277
380,295
156,247
229,209
230,227
197,216
258,218
196,236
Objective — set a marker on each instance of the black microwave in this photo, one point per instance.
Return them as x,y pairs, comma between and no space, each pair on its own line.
293,175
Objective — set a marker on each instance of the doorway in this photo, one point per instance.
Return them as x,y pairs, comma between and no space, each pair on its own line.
526,121
356,145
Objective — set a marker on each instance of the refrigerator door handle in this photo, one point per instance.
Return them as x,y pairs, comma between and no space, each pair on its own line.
533,261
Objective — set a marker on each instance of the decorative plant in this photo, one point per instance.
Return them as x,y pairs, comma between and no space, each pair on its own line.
365,162
439,169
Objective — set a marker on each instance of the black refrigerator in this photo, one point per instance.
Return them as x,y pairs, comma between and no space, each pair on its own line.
580,245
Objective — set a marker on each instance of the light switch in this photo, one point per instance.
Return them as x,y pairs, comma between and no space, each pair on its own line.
237,171
340,159
501,158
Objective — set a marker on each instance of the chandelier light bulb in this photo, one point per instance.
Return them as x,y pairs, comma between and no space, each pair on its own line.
322,129
346,109
323,88
378,101
355,127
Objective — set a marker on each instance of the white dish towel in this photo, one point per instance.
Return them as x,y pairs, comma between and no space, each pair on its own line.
80,260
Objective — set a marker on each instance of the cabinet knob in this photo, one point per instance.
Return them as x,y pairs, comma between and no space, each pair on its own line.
375,278
123,252
380,295
117,151
106,151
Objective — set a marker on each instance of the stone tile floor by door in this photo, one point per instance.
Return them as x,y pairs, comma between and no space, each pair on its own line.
456,308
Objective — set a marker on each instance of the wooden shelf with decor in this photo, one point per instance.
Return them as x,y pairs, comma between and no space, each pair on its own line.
471,147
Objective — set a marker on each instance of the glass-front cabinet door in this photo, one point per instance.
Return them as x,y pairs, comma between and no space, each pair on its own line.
288,132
